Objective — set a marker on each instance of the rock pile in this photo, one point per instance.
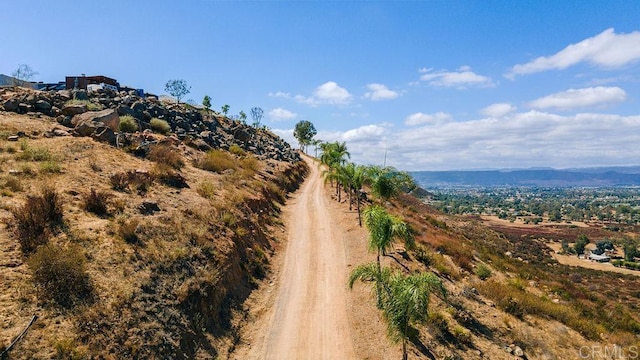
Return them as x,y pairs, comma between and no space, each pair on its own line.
98,115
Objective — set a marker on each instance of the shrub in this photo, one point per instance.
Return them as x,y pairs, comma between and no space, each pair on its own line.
249,166
206,189
216,161
166,175
50,167
127,230
91,106
60,275
34,153
13,184
37,218
482,271
159,125
128,124
166,154
97,202
141,180
422,255
236,150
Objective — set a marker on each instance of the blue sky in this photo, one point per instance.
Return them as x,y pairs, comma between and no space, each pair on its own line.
437,85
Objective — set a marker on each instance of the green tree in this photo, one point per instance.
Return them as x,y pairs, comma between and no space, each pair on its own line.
225,109
384,228
334,155
581,244
242,117
206,102
405,299
177,88
387,182
22,75
630,249
256,114
304,133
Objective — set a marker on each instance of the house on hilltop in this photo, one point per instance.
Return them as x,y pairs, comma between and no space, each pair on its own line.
81,82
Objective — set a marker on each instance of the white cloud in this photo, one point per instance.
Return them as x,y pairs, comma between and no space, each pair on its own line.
607,49
527,139
280,114
580,98
331,93
461,78
327,93
420,118
380,92
498,110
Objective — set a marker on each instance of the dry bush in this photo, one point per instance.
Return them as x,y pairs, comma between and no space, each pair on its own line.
206,189
127,230
250,166
216,161
141,180
236,150
97,202
34,153
166,154
520,303
50,167
60,275
37,218
168,176
128,124
159,125
13,184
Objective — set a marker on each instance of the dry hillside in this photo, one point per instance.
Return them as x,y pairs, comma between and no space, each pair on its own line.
145,250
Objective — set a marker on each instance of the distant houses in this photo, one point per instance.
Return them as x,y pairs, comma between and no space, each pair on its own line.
599,258
83,82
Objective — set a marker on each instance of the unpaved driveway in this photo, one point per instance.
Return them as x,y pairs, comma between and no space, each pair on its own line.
309,319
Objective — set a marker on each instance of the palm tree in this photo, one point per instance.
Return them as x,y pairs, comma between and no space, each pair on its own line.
372,272
408,304
384,229
334,155
404,301
387,182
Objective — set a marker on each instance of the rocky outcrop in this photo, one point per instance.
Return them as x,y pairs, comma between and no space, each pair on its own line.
189,125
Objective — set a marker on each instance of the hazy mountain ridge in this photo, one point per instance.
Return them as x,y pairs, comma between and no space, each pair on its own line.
602,176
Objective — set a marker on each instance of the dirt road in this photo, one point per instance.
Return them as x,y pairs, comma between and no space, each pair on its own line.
309,319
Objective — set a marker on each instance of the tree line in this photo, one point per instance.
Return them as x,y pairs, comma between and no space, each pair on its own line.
402,298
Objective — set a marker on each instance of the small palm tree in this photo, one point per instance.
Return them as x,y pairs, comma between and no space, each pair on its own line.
384,229
408,304
404,300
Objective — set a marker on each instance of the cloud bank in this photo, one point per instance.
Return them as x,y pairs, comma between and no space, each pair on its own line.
606,50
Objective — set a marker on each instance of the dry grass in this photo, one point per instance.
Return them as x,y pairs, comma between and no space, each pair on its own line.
166,154
128,230
217,161
520,303
168,176
206,189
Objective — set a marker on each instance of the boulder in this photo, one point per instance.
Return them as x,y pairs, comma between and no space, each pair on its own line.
86,128
74,109
108,118
11,104
105,134
43,106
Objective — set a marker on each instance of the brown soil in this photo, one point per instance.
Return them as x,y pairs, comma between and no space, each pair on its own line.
305,310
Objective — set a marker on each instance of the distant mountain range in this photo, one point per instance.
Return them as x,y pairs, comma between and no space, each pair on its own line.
592,177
